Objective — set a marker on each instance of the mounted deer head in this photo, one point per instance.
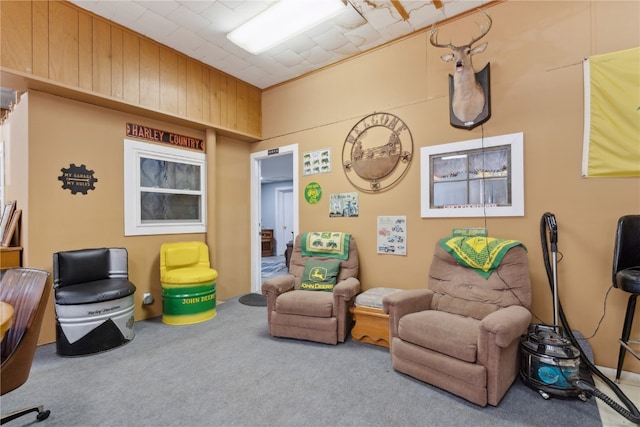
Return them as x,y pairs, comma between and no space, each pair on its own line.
468,95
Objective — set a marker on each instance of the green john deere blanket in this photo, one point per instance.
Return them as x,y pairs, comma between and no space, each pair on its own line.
329,244
482,254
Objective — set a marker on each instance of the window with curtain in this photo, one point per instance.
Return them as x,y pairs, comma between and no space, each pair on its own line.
473,178
164,190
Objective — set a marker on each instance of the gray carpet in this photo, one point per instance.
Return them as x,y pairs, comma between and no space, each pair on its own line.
229,372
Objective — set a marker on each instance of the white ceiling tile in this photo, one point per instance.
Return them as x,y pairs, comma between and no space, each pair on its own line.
347,49
232,62
222,19
213,56
209,52
331,40
321,28
317,55
397,29
155,26
269,81
364,35
454,8
424,16
196,6
162,7
102,8
188,19
381,17
185,41
300,69
300,44
270,66
212,34
127,13
249,9
289,58
349,19
251,73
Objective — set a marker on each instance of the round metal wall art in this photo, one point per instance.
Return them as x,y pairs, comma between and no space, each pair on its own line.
377,152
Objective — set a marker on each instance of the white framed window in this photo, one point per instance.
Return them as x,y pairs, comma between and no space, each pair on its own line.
473,178
164,190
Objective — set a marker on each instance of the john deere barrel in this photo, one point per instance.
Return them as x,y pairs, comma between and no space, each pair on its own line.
188,284
187,304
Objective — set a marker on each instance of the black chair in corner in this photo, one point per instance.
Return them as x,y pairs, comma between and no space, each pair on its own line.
27,290
94,300
626,277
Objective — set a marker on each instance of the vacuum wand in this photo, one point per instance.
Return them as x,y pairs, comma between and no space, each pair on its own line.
552,226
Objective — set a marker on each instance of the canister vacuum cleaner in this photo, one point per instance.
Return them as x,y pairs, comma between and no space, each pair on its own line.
548,358
552,361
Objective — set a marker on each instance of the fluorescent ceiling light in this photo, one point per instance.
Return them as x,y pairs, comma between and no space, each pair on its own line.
282,21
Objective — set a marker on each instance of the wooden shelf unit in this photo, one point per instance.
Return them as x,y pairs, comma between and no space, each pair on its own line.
10,257
267,242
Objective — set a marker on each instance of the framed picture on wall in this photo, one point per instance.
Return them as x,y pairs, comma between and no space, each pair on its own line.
475,178
7,212
318,161
343,205
392,235
12,229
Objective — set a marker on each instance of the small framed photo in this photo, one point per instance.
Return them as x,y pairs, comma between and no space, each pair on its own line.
12,228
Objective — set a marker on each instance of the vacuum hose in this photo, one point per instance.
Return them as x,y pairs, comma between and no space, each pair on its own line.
632,414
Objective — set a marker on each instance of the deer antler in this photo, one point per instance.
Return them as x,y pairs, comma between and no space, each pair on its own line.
434,33
483,30
434,38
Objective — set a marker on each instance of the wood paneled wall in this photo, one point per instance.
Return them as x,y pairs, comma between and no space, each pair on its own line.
57,42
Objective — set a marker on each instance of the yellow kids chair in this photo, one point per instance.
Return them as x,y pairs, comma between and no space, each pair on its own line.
188,283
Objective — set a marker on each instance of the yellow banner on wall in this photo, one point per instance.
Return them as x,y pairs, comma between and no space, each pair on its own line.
612,114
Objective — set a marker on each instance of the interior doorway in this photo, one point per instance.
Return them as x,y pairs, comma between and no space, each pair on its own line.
284,218
270,170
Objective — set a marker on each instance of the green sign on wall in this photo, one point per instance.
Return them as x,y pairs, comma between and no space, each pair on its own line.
313,193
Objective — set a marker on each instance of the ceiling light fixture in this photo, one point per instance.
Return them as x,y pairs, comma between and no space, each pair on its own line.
282,21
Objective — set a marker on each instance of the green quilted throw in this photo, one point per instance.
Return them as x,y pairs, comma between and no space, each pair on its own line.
482,254
329,244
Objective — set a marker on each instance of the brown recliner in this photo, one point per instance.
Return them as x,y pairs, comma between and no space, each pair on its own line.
462,333
319,316
27,290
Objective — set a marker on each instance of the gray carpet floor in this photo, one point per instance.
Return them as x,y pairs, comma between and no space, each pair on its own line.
229,371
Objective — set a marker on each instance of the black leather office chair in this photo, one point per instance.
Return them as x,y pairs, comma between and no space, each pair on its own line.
27,290
626,276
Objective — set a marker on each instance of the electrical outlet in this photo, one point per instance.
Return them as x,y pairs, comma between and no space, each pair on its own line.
147,298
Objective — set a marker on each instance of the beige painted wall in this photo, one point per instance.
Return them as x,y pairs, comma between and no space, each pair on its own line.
536,55
231,230
61,132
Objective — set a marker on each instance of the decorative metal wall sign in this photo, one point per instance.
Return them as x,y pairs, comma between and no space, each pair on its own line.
77,179
151,134
377,152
